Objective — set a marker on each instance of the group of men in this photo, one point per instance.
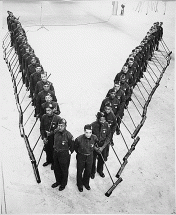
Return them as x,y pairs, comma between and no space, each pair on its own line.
91,147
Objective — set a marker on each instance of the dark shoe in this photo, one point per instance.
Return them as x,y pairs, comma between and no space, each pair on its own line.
45,164
102,174
30,96
87,187
80,189
52,167
56,184
92,176
61,188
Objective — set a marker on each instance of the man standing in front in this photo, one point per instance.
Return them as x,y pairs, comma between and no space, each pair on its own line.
102,130
63,148
49,123
84,147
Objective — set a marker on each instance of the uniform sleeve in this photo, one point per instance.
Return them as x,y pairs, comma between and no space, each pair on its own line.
52,87
113,127
54,97
42,129
76,145
108,138
102,106
71,143
117,78
38,103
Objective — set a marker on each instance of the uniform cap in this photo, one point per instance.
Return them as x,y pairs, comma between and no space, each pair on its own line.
99,115
108,104
112,90
88,126
62,121
117,83
46,84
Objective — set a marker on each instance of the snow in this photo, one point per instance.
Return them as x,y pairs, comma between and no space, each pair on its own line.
83,60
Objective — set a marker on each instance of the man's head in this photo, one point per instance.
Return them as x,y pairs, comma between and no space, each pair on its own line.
49,111
130,61
62,125
44,77
112,93
88,130
38,69
33,60
48,98
125,69
116,85
101,117
46,86
108,108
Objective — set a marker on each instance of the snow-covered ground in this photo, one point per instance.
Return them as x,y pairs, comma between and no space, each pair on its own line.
83,60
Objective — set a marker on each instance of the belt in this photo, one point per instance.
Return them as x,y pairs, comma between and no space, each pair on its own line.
61,150
84,154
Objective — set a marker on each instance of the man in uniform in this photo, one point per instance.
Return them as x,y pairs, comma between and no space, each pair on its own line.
49,123
84,147
128,77
34,78
110,119
126,89
101,129
41,97
120,95
39,85
49,101
63,148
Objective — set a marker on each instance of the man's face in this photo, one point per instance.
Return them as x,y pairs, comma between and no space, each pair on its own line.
88,133
116,87
48,98
46,87
38,69
107,109
61,127
102,120
49,111
112,95
125,69
33,61
130,62
43,77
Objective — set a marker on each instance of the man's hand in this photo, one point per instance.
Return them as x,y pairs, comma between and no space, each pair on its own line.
48,133
45,140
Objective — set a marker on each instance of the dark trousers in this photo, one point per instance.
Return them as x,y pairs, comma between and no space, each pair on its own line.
84,166
61,166
49,149
100,163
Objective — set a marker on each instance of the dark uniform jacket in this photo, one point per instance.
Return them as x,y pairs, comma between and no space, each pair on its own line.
46,104
128,77
48,123
41,99
39,87
84,145
63,141
34,78
126,89
32,69
103,132
111,120
115,103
